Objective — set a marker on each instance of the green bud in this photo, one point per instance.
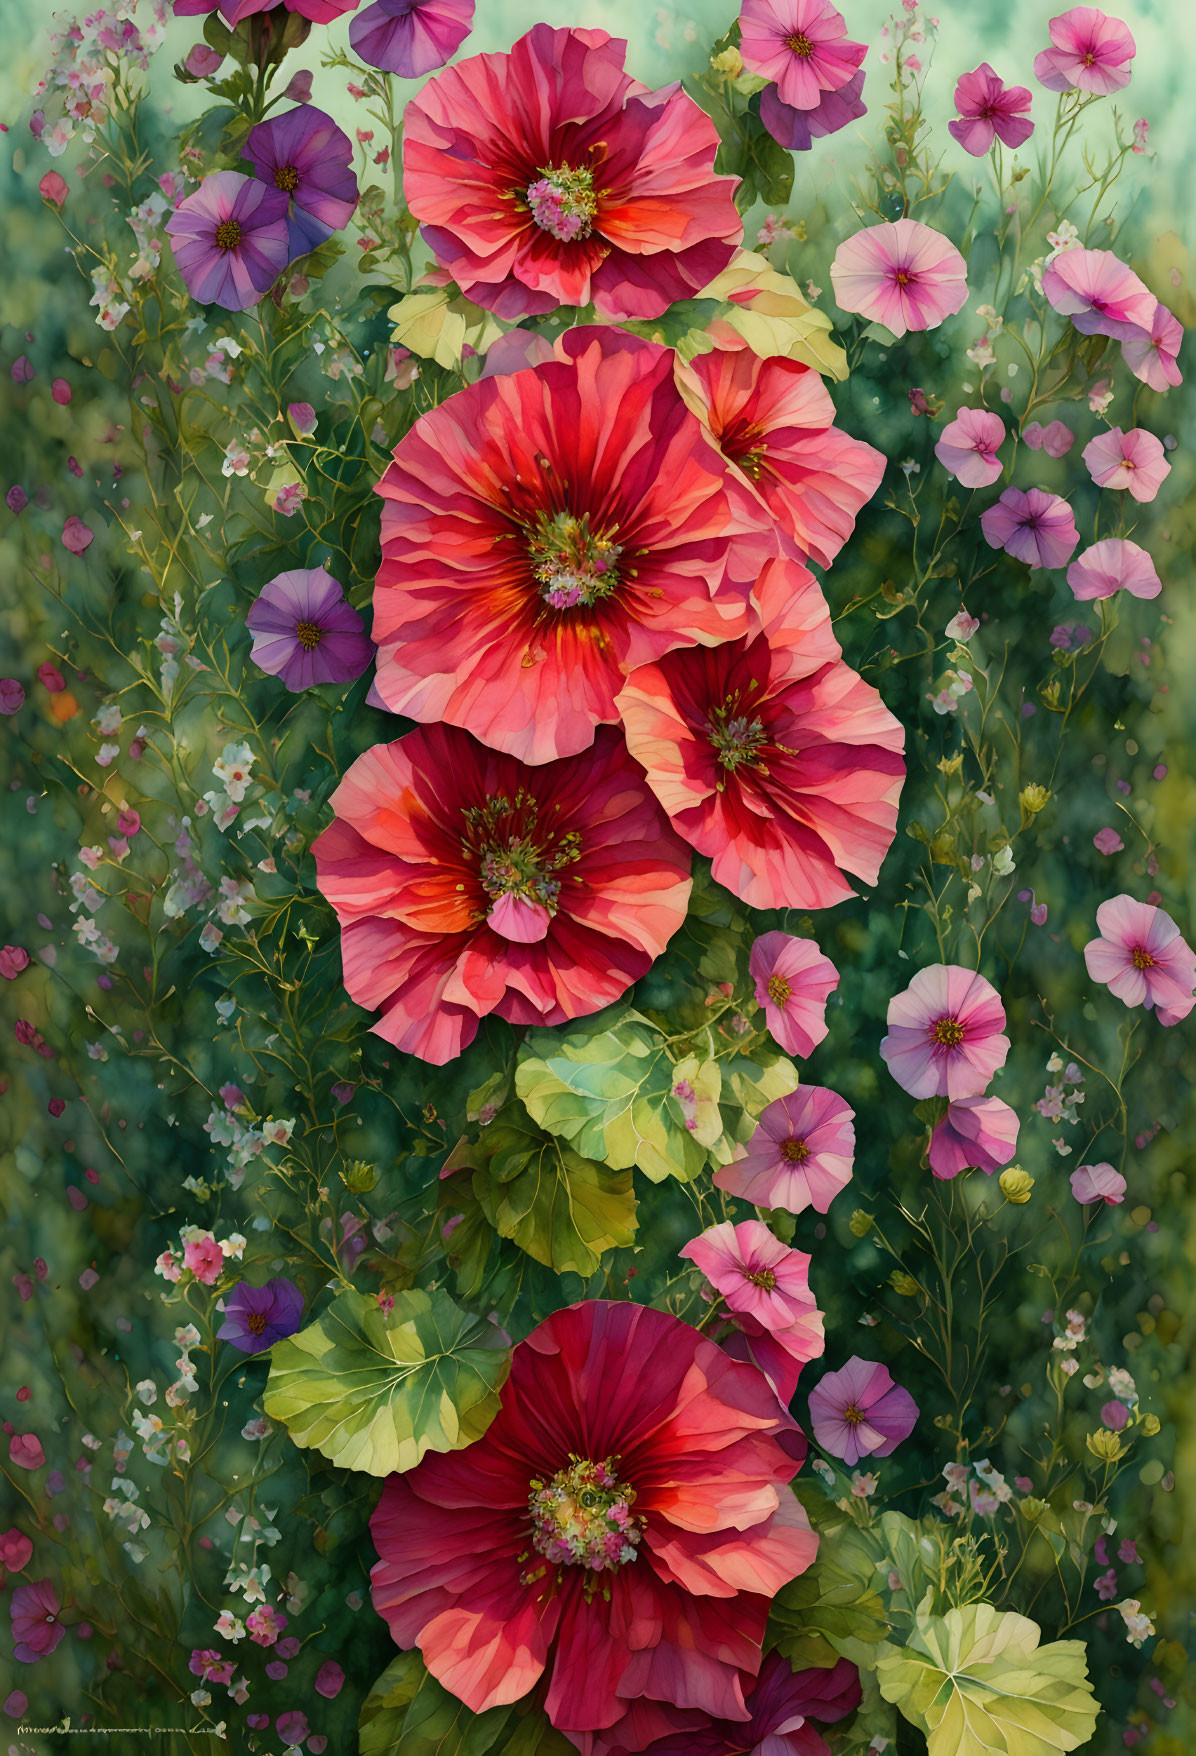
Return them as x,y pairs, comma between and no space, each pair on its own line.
1015,1185
860,1223
359,1176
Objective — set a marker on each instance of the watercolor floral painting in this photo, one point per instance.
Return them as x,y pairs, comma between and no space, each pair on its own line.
599,915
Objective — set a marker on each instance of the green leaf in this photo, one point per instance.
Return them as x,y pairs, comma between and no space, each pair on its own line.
607,1088
408,1713
976,1680
833,1610
375,1390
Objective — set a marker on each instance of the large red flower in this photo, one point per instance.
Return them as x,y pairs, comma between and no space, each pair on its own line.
466,883
771,755
548,176
546,532
773,420
619,1532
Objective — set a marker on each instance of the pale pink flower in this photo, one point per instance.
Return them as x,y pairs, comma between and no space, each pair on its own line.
989,110
801,45
978,1133
1114,564
1134,460
902,274
1034,527
1150,352
793,980
945,1033
1091,52
1143,958
1101,1182
962,626
1107,841
1141,130
799,1156
765,1284
1056,439
1099,293
968,447
205,1259
858,1411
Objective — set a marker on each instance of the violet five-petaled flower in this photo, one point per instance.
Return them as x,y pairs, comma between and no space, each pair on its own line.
256,1317
1035,527
305,633
411,37
858,1411
306,157
231,240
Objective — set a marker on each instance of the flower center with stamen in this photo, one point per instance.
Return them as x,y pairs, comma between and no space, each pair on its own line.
583,1517
228,235
902,278
513,854
563,203
309,635
853,1415
286,177
794,1151
572,564
947,1032
764,1277
779,990
736,738
1141,958
256,1323
800,43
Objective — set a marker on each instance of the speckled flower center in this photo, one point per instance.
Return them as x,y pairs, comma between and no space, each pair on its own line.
256,1323
228,234
286,177
1089,59
583,1517
513,853
1141,958
573,565
309,635
563,203
763,1277
779,990
794,1151
902,278
737,737
947,1032
853,1415
800,43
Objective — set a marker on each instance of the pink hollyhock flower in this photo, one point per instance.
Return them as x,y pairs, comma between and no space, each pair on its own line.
547,531
990,111
977,1133
1134,460
781,1705
1143,958
36,1630
858,1411
548,176
1101,1182
1150,352
205,1259
1114,564
793,980
945,1033
968,447
629,1453
1056,439
773,420
466,883
13,959
231,240
25,1451
305,633
1099,293
304,154
801,46
766,1286
902,274
1091,52
411,37
769,754
797,130
799,1156
16,1550
1034,527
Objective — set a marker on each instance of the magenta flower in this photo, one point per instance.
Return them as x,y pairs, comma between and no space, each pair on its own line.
799,1156
1134,460
1091,53
307,158
330,1679
1150,352
1056,439
902,274
256,1317
25,1451
797,130
990,111
858,1411
411,37
204,1257
766,1287
36,1630
1101,1182
967,448
1034,527
16,1550
12,695
1099,293
801,45
76,536
977,1133
945,1033
793,980
1114,564
13,959
305,633
1143,958
231,240
781,1703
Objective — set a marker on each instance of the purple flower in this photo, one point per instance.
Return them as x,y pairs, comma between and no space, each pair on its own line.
256,1317
330,1679
987,110
36,1629
781,1703
307,158
411,37
12,695
859,1411
1034,527
16,499
231,240
305,632
797,129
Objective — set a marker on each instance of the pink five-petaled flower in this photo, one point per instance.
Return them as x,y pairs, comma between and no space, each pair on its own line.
1035,527
766,1287
945,1033
467,884
781,1704
1099,293
205,1259
1107,841
799,1156
231,240
1114,564
989,110
1150,352
968,446
16,1550
411,37
1090,1183
305,633
1091,52
977,1133
36,1630
902,274
770,755
548,176
494,1565
801,46
858,1411
793,980
1135,460
1143,958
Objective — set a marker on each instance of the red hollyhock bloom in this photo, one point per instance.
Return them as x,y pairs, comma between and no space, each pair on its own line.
770,755
466,883
548,176
773,420
547,531
619,1532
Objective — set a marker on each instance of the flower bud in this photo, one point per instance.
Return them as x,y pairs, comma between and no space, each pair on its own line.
359,1176
903,1283
729,61
1032,799
860,1223
1105,1445
1150,1425
1016,1185
1031,1509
